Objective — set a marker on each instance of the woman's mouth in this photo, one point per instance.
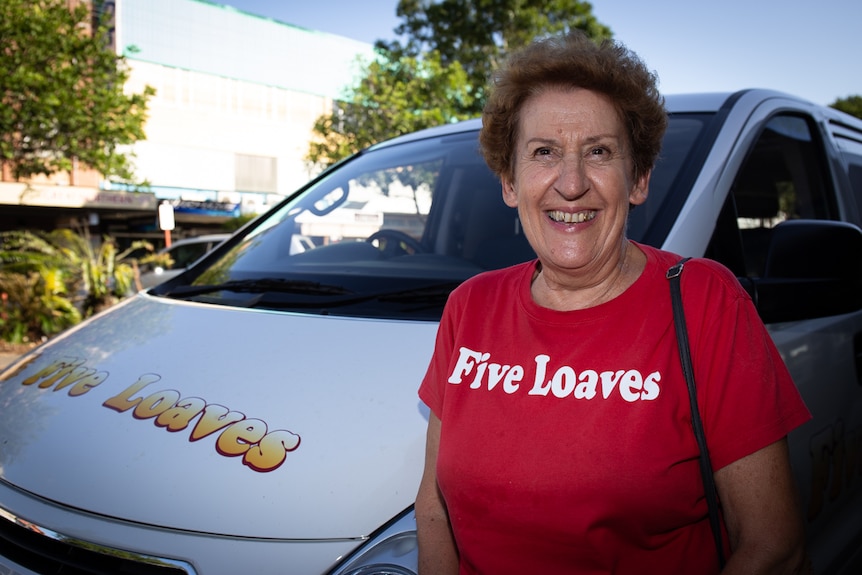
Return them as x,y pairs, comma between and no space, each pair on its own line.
571,218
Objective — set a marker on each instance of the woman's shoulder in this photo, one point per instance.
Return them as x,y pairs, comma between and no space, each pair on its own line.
700,273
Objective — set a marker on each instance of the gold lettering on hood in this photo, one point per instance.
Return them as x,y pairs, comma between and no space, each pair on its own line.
261,450
236,435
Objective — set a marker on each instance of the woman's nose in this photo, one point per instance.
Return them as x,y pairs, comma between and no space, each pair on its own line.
572,181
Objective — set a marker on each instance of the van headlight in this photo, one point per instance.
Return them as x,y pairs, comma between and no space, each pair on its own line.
391,551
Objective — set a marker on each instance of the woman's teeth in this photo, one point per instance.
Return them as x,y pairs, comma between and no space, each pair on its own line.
570,218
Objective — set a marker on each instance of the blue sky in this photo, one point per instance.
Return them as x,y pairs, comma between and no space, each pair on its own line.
806,48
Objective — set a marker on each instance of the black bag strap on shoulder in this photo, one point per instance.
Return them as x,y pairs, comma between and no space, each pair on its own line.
673,275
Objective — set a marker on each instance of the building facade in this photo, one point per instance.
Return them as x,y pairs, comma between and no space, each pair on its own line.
228,128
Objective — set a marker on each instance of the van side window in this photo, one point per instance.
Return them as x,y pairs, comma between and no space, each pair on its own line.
856,177
783,177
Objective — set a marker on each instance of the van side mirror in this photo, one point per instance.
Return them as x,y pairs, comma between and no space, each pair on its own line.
813,269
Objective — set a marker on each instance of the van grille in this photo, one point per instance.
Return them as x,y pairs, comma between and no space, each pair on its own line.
49,553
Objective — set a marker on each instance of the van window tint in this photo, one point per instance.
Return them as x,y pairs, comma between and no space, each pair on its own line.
677,164
856,180
783,177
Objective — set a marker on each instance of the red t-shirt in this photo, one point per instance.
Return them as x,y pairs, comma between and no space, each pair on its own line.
566,443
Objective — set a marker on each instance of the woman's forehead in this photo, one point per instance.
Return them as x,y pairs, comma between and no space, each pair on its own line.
556,111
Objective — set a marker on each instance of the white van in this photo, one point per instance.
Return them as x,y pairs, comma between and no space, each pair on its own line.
258,412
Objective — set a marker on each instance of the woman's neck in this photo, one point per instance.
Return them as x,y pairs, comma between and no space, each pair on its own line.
565,291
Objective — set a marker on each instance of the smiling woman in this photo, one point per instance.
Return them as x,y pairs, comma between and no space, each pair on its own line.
573,130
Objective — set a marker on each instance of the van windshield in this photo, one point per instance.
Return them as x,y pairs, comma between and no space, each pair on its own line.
390,232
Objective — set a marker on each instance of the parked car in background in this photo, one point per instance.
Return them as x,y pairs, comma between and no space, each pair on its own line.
258,413
183,253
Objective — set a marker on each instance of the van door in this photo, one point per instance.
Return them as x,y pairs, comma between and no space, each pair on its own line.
785,175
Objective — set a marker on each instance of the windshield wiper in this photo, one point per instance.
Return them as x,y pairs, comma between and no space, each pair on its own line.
260,286
427,294
435,294
333,296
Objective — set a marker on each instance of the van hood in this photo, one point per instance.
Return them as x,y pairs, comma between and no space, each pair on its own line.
222,420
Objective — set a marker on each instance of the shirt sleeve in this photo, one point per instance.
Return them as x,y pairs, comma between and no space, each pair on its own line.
433,386
747,397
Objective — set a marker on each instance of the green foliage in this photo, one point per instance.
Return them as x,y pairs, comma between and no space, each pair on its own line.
99,272
33,306
479,34
34,301
62,93
851,105
440,74
49,281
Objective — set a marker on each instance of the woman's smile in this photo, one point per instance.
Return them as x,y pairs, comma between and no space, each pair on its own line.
562,217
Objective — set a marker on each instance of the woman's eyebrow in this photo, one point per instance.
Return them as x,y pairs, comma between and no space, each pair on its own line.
541,140
601,137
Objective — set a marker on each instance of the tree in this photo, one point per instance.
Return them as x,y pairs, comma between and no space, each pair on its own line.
479,34
62,92
441,72
851,105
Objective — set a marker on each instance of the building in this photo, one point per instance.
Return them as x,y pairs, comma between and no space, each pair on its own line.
236,98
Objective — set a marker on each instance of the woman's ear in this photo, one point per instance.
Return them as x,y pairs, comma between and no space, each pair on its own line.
640,191
510,196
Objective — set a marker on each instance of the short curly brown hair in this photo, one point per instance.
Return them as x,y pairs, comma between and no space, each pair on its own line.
574,61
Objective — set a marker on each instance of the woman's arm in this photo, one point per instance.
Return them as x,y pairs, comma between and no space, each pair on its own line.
437,552
759,501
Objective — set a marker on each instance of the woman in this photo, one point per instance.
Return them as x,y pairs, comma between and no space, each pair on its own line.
560,437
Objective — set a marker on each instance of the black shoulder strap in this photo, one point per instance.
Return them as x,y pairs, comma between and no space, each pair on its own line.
673,274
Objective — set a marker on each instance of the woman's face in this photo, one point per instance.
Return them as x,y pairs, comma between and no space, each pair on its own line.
573,180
